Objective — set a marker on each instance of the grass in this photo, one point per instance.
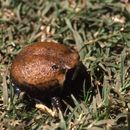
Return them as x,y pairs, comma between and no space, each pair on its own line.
100,30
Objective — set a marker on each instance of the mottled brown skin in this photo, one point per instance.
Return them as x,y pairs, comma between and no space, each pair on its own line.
40,69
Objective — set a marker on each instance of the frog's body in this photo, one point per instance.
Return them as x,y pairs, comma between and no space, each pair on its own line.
40,69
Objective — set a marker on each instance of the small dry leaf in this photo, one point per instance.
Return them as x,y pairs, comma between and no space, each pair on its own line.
45,109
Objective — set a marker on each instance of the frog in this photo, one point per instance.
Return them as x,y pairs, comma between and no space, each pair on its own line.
41,70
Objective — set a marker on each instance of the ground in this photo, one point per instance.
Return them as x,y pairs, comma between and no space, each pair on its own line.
100,31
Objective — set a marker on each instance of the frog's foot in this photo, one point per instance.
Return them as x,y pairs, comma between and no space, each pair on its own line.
56,103
16,89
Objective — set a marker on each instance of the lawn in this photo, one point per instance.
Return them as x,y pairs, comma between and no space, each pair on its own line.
100,31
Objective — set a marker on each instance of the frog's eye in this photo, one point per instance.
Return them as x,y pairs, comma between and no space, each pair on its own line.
54,67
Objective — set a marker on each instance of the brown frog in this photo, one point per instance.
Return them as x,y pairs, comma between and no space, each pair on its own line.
40,69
